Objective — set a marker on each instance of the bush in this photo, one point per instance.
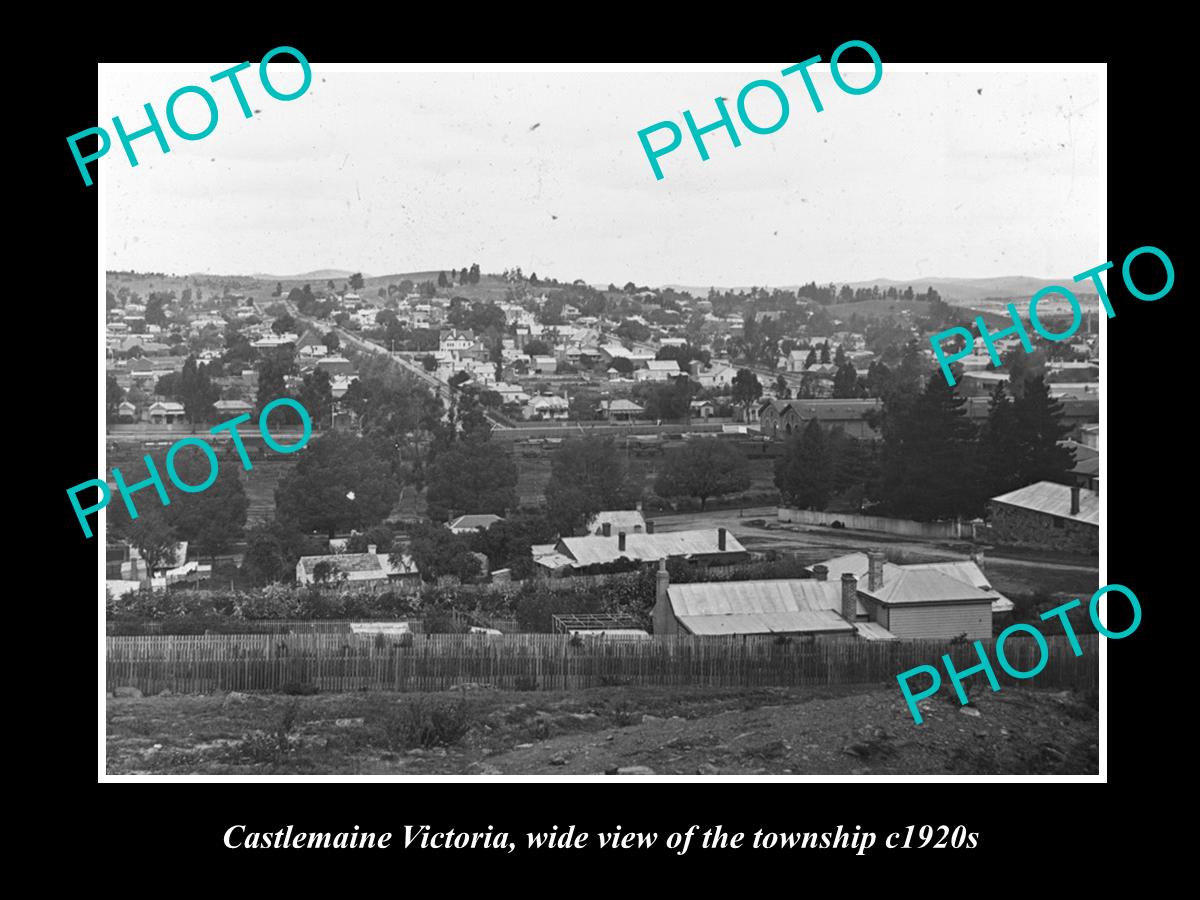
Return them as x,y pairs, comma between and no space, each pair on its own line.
423,722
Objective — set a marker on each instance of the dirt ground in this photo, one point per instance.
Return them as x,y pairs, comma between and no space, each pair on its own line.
862,729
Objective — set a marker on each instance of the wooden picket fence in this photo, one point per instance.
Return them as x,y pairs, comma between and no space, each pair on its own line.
341,662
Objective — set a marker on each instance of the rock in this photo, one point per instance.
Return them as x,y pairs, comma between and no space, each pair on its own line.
347,723
158,746
165,692
524,746
483,769
860,750
611,737
127,691
647,719
970,711
1053,752
558,759
773,749
583,716
708,769
234,697
629,770
863,771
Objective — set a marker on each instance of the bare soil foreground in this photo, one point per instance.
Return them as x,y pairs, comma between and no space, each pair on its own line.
863,729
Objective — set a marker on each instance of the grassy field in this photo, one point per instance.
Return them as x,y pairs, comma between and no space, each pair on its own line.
849,730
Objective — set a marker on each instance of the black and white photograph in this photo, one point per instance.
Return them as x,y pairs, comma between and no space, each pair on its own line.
581,421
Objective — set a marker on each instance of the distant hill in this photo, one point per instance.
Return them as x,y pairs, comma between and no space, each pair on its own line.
318,275
972,290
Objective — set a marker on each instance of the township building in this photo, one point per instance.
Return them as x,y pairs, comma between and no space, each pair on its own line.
711,546
370,568
889,603
1045,514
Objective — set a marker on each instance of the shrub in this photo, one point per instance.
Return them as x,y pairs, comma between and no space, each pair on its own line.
422,722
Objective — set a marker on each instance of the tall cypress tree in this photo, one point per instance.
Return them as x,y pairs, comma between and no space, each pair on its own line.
1001,450
1039,424
931,465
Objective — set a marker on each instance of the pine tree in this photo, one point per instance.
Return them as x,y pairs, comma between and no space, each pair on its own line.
930,464
1000,445
825,353
1039,426
845,382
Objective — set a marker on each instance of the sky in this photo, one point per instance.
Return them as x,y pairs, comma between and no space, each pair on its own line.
950,174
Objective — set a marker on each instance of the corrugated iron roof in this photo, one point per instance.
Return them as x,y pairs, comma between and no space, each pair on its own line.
790,595
968,571
902,585
822,620
618,518
873,631
964,571
1054,500
594,549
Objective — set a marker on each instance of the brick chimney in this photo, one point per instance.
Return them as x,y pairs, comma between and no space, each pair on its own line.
637,529
607,529
721,539
1074,499
875,560
371,548
663,617
638,506
821,573
849,597
649,526
621,541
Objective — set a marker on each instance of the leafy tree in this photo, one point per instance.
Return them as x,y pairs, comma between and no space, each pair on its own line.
666,401
804,473
508,544
155,310
332,342
1022,368
316,396
781,388
622,364
278,292
113,395
745,387
196,391
470,478
272,551
703,468
339,483
212,520
378,536
273,369
154,538
438,551
285,324
537,348
473,275
586,476
356,281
